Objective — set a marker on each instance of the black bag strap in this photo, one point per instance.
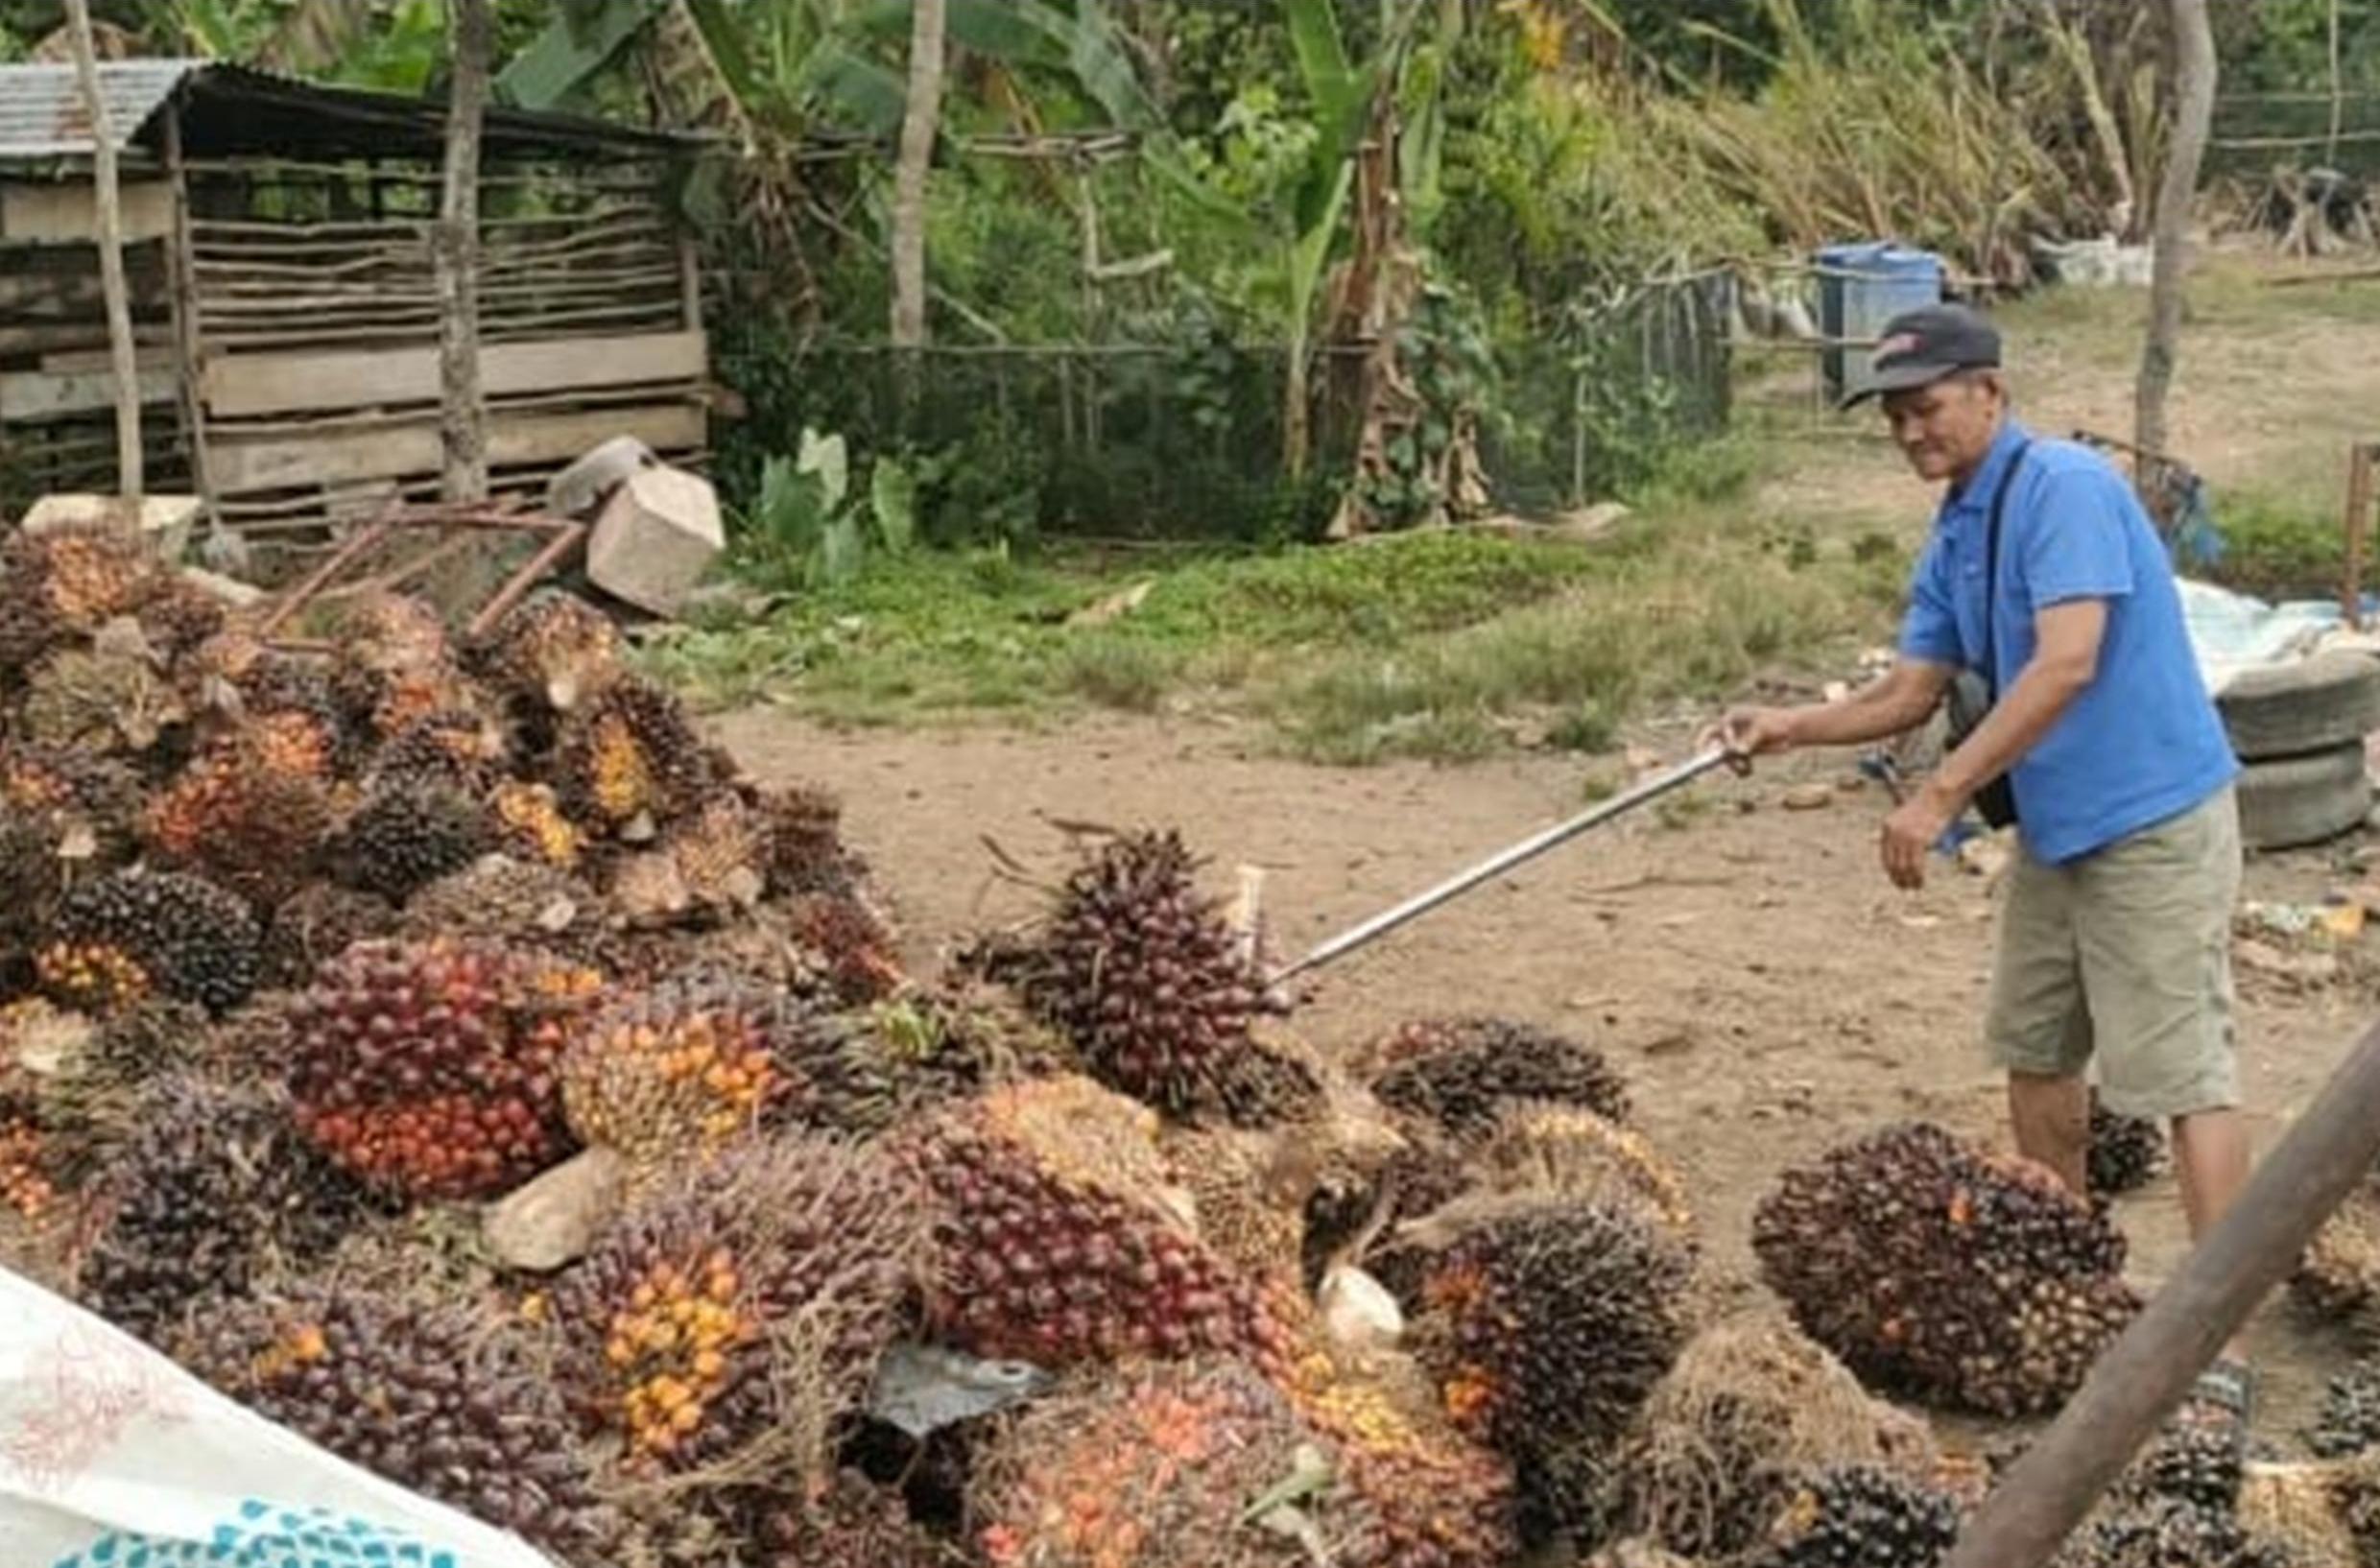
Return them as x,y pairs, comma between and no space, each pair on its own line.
1991,565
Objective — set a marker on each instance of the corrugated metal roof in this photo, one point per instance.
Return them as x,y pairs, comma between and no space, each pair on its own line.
41,112
237,110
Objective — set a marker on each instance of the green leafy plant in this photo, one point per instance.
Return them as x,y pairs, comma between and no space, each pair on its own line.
809,530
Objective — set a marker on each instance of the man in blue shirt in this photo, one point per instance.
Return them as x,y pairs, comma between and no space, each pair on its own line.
2115,936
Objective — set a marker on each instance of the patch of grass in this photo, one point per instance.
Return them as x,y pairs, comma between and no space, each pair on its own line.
941,633
2279,546
1446,645
1693,619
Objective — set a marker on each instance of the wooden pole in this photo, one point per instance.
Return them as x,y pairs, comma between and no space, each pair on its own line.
2195,73
189,346
2337,89
464,420
122,354
2358,528
2148,1371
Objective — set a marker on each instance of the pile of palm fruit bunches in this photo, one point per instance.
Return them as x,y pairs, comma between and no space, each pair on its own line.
320,960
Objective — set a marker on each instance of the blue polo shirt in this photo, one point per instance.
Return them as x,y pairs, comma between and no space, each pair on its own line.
2142,741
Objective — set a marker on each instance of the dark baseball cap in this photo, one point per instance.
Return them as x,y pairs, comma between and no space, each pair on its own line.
1920,346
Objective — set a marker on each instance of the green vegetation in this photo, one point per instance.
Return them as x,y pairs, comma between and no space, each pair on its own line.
1444,643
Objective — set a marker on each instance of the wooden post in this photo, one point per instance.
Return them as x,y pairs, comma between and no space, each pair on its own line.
189,349
2194,51
2145,1375
122,354
2337,89
463,421
2358,526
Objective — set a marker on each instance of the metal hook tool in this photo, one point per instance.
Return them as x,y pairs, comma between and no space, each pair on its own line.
1504,860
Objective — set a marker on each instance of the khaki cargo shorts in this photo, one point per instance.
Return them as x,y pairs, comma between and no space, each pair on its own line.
2126,955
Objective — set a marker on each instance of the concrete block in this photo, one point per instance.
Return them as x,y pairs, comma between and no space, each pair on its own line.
163,520
588,482
656,537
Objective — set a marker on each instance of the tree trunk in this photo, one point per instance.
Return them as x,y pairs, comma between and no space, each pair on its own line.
2194,93
123,355
919,124
464,422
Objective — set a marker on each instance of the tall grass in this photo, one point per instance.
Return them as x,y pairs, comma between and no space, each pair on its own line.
1882,130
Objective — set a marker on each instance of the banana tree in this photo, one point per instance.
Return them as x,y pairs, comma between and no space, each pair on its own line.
1350,102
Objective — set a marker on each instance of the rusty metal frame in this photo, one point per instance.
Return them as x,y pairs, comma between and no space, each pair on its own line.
561,536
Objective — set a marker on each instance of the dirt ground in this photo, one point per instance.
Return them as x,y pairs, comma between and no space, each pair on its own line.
1747,966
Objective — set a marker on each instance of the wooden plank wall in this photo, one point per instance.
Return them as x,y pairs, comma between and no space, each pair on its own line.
57,393
320,344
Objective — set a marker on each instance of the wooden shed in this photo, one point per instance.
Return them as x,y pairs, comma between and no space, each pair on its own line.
278,239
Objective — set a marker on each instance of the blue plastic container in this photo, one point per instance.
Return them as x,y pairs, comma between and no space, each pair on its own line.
1861,287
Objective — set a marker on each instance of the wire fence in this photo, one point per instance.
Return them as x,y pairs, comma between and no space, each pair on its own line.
2255,133
1185,440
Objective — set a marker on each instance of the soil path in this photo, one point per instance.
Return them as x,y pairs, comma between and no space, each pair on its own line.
1747,966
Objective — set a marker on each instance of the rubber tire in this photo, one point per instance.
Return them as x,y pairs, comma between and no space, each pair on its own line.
2294,710
2293,802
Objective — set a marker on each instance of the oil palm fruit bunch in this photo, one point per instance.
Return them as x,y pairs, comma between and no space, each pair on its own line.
430,1397
395,665
58,586
458,745
530,825
720,850
955,1038
2339,1276
498,897
553,650
740,1312
854,945
1547,1326
1862,1517
1460,1073
430,1069
2197,1458
2125,1150
2354,1497
2165,1533
407,832
76,1081
1424,1495
806,851
279,685
136,933
1060,1237
1945,1274
315,924
180,616
691,1065
75,795
850,1523
629,760
2349,1422
1138,968
214,1184
34,872
251,811
1151,1466
108,700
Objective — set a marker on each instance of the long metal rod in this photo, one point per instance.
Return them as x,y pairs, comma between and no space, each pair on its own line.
1504,860
2151,1365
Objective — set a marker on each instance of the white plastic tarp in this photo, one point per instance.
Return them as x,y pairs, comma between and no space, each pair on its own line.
113,1456
2231,632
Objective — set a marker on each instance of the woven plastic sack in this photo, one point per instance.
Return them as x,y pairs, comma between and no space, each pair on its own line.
112,1457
